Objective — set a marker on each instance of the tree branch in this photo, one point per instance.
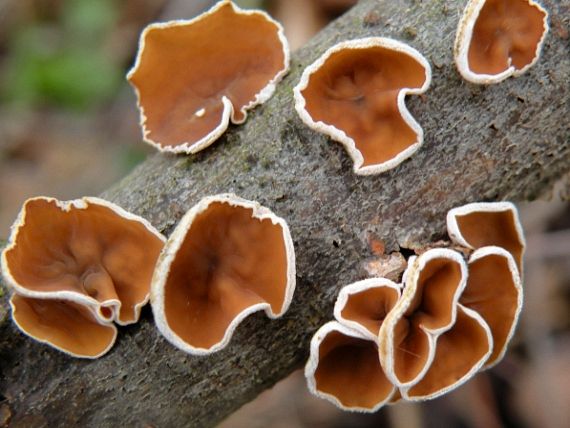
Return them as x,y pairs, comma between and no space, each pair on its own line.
507,141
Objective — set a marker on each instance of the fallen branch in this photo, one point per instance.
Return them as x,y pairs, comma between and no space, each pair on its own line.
507,141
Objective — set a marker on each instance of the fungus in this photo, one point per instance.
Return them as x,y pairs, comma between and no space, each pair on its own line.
227,258
495,292
193,77
344,369
427,309
482,224
497,39
87,252
355,94
67,326
459,354
363,305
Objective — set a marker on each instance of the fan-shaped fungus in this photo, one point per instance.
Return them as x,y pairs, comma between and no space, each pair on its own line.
427,309
497,39
227,258
355,94
193,77
482,224
344,369
86,251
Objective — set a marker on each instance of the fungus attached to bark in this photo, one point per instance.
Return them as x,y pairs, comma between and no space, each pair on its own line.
494,291
482,224
344,369
427,309
363,305
87,251
226,259
67,326
497,39
193,77
355,94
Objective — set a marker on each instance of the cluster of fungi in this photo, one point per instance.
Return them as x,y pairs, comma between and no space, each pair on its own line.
446,320
78,267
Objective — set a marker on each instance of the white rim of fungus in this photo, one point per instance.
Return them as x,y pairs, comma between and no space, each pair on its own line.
386,334
338,134
313,364
74,296
463,41
355,288
174,243
228,112
467,376
65,351
512,265
454,231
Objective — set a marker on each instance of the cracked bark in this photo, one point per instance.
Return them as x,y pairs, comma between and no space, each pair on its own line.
507,141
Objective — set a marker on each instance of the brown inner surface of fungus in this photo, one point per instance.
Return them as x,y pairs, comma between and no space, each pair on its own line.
491,292
185,70
349,369
370,307
228,262
64,324
91,251
482,228
356,91
505,30
458,351
431,308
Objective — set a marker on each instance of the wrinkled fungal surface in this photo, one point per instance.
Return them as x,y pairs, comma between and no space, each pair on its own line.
64,325
488,224
494,291
499,38
88,251
193,77
355,94
344,368
434,282
226,259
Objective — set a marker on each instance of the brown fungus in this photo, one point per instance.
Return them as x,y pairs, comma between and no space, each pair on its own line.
87,251
481,224
497,39
355,94
344,368
427,309
193,77
67,326
227,258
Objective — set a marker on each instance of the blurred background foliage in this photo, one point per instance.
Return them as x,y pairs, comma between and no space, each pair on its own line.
69,128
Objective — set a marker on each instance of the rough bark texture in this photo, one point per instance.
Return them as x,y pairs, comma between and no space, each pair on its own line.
507,141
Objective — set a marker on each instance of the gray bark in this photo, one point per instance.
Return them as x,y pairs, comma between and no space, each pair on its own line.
507,141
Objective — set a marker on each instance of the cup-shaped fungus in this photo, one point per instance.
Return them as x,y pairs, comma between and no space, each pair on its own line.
193,77
87,251
494,291
363,305
355,93
497,39
459,354
482,224
427,309
344,369
67,326
227,258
